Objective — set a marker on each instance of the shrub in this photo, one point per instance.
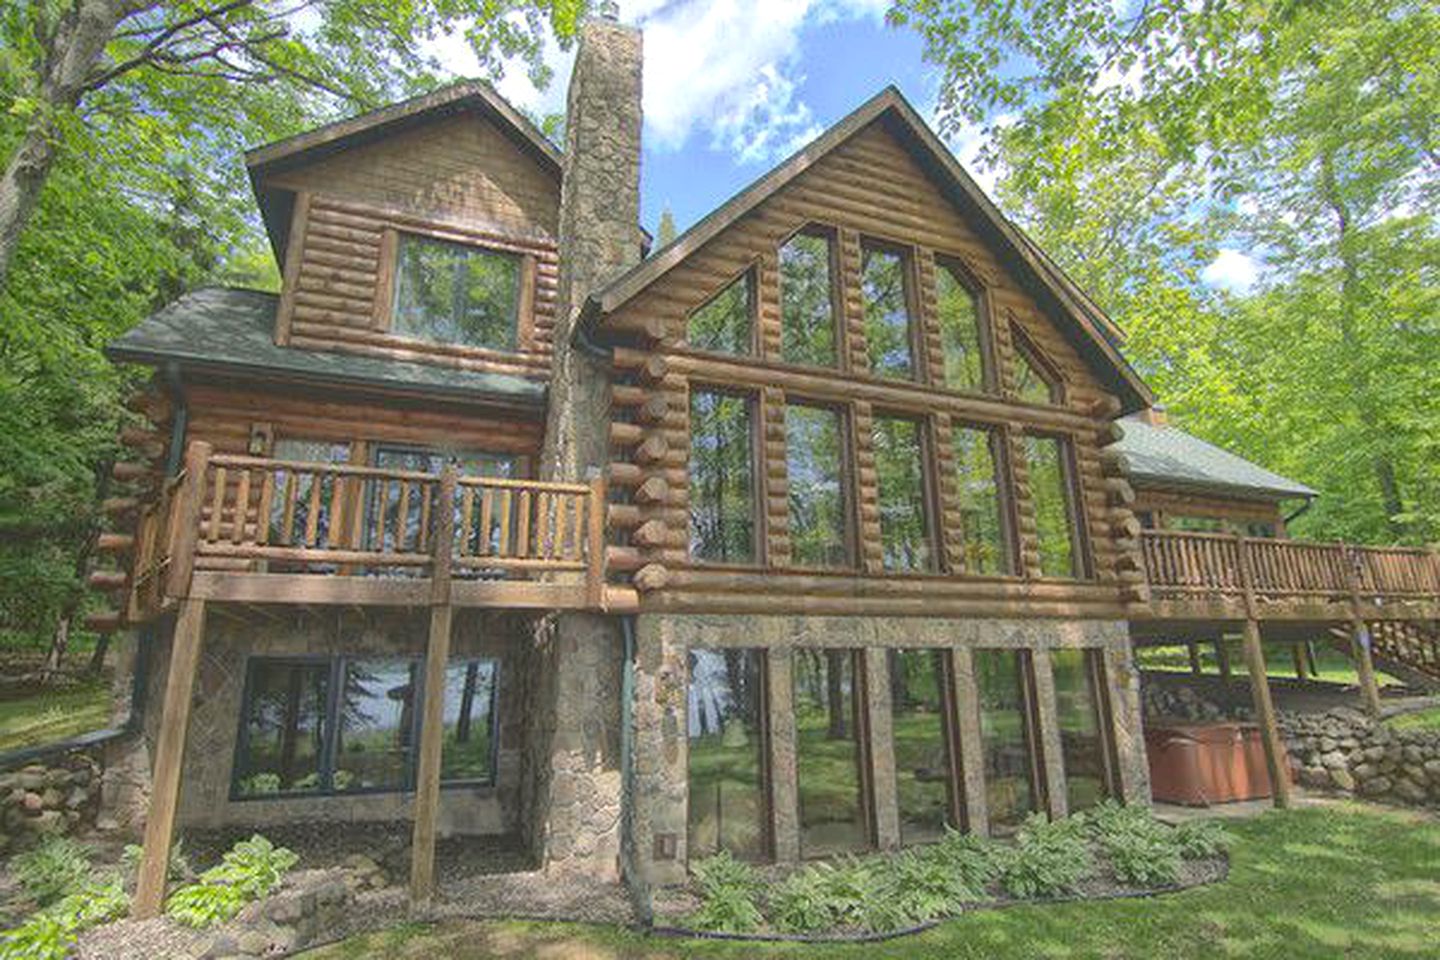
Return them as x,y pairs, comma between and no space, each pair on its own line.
972,858
177,869
51,933
1143,852
801,902
54,868
1048,859
1198,839
728,888
914,887
249,871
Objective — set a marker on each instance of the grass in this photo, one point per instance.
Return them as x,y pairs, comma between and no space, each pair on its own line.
49,715
1419,720
1331,665
1347,880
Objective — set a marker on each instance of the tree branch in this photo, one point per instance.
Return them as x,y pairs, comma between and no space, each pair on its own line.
155,43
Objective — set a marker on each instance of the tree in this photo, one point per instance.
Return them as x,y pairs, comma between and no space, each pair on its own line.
665,232
179,64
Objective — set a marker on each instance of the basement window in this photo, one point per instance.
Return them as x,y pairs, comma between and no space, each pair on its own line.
449,292
1080,700
344,725
728,805
1014,783
830,751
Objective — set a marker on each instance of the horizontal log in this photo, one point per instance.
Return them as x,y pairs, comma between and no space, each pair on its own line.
1108,434
652,450
1107,406
129,471
107,622
626,434
1125,525
651,577
1113,463
653,491
115,543
624,516
654,410
649,367
114,506
107,579
1119,491
651,533
623,559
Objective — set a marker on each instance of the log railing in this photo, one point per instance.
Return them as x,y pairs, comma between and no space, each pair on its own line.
1199,565
261,515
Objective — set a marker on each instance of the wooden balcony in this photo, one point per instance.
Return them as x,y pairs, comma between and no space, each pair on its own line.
1216,576
258,530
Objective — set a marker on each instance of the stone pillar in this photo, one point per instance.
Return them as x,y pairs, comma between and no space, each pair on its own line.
881,748
578,781
661,752
784,778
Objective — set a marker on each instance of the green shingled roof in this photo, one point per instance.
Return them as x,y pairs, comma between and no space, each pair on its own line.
220,328
1170,456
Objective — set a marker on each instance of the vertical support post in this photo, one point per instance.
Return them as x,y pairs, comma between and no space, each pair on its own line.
1222,657
595,534
1052,746
880,754
1275,758
1360,639
1297,654
437,655
1194,650
185,531
972,749
784,775
169,758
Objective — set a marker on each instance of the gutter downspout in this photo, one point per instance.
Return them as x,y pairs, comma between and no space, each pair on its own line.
1300,511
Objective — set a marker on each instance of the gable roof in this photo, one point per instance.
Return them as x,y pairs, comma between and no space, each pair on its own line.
304,148
230,330
1098,338
1168,456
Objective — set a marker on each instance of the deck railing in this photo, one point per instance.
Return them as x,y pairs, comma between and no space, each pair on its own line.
1196,565
262,515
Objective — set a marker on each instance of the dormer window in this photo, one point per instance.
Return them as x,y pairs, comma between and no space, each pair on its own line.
962,329
449,292
724,324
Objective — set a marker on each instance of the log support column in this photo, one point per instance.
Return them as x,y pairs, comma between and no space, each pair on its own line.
1194,650
1361,639
1275,758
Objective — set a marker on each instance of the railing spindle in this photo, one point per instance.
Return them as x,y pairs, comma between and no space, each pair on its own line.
242,507
467,508
487,505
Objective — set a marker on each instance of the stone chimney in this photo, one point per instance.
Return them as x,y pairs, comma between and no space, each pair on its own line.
599,230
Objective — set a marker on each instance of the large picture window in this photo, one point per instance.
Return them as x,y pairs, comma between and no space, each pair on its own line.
724,323
351,724
982,513
962,337
815,467
807,300
454,293
728,807
829,751
919,722
1005,687
905,533
885,300
1052,491
1084,730
722,481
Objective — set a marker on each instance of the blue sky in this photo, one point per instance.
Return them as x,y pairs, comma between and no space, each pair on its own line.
734,86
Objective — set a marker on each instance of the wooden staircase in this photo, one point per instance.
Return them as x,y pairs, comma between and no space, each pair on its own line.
1406,649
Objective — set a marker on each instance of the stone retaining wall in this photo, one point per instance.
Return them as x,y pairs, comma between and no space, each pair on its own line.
56,797
1346,750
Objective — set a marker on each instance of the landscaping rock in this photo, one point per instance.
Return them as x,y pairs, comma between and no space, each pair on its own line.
1342,778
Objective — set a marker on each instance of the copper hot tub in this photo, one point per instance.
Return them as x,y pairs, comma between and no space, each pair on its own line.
1200,765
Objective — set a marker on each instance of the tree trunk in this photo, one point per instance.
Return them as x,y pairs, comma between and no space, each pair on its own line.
835,693
72,50
59,642
97,658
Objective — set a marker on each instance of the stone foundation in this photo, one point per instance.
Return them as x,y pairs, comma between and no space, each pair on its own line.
1346,750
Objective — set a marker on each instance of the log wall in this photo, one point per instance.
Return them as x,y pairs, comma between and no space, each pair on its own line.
1164,504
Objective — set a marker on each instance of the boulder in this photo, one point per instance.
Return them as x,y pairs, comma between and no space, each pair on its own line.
1342,778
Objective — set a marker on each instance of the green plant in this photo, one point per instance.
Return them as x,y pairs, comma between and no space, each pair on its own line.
249,871
728,890
50,934
1141,850
54,868
1047,859
801,902
1198,839
971,858
913,887
178,868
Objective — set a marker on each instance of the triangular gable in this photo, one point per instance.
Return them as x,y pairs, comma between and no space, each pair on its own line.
1089,329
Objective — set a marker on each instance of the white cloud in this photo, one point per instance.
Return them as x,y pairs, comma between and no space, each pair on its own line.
1231,270
967,143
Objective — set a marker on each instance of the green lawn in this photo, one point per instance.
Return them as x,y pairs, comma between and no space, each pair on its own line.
47,716
1419,720
1339,881
1331,665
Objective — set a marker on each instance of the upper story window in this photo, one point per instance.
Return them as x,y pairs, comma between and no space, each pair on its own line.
725,323
807,299
1036,381
453,293
982,517
905,525
815,467
885,298
722,477
1052,489
962,337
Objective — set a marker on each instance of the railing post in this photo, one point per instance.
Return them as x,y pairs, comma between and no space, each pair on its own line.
595,567
1275,758
1360,639
437,656
185,509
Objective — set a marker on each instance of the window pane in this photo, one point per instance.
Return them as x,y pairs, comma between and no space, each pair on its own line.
469,463
453,293
1031,383
807,312
1081,728
376,724
305,451
1195,524
467,752
981,527
723,324
886,312
728,808
1001,682
1260,528
827,752
922,757
284,728
813,461
1050,491
960,337
904,524
722,502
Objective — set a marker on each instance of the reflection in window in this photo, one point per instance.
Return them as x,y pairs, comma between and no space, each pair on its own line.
1002,681
453,293
982,528
723,324
722,488
1260,528
814,465
727,792
290,515
807,310
376,725
886,302
904,518
1047,459
1193,524
1078,682
283,728
961,340
467,753
468,463
922,756
1033,383
828,752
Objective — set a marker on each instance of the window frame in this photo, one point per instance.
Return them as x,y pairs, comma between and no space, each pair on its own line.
910,288
1034,734
754,410
831,235
1004,494
1081,563
929,490
1026,348
335,665
849,491
388,286
750,276
864,746
984,323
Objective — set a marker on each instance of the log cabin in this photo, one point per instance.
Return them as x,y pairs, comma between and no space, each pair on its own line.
818,530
